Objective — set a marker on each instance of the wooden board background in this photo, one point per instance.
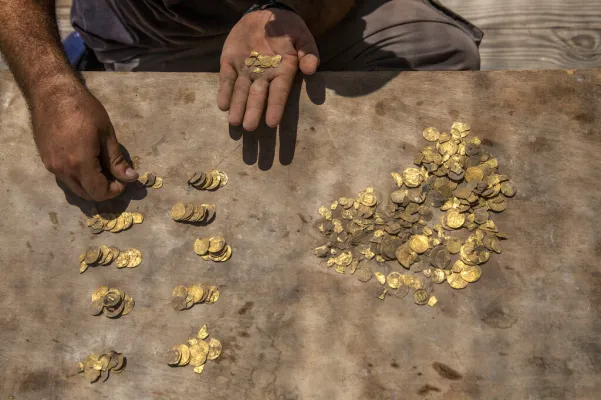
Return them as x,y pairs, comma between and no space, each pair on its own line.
291,328
519,34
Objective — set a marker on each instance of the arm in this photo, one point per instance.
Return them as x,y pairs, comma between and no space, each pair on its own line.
72,130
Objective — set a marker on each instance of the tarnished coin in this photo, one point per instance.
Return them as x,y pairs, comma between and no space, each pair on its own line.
180,291
420,297
92,255
402,291
97,307
364,274
173,356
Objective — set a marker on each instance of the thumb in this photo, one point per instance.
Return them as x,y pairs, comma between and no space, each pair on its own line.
308,55
115,161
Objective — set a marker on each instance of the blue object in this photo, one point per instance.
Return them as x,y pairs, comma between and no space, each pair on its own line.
80,56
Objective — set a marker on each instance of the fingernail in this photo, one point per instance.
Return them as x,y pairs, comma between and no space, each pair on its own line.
130,173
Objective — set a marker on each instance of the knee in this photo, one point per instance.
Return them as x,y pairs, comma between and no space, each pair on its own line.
446,47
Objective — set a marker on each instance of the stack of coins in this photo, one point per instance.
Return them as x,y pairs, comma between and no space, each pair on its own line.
195,352
111,302
184,297
151,180
259,62
113,222
214,249
97,366
194,213
208,180
104,255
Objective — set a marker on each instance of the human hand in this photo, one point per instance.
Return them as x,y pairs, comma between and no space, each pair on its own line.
77,143
245,93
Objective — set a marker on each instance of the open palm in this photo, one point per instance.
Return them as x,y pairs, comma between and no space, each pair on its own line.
245,93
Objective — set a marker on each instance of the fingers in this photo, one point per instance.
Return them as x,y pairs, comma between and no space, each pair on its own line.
113,160
95,184
239,99
278,96
75,187
255,104
227,80
308,55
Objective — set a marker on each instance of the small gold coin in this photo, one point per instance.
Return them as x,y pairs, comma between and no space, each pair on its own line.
185,355
216,244
201,246
214,349
364,275
438,275
432,301
394,280
380,277
471,273
412,177
454,219
419,243
420,297
203,333
178,211
456,281
474,174
173,356
431,134
199,369
158,183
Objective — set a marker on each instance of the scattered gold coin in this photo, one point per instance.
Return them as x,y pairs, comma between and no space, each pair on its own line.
214,248
261,62
211,180
184,297
109,222
195,352
149,179
111,302
455,185
104,255
97,367
194,213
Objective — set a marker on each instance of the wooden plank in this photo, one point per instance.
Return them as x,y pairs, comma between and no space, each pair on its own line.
540,49
507,14
290,327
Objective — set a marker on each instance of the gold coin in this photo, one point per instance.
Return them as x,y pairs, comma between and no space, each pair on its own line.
224,179
473,174
92,255
100,293
199,369
412,177
135,258
184,350
158,183
198,354
213,296
380,277
345,258
203,333
456,281
432,301
122,260
128,220
402,292
227,255
197,292
119,225
129,304
382,295
178,211
420,297
83,267
438,275
394,280
398,179
508,189
254,53
461,128
82,257
275,61
214,349
453,244
201,246
216,180
138,218
248,61
458,266
368,199
471,273
419,243
179,291
258,70
216,244
431,134
404,256
173,356
454,219
364,275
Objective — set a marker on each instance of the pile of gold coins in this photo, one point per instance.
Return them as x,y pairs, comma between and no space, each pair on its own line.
114,223
99,366
195,352
151,180
111,302
104,255
260,62
456,186
208,180
214,249
195,213
184,297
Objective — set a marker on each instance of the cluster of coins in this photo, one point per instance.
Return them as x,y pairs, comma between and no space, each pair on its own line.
457,184
114,223
195,352
260,62
195,213
184,297
151,180
111,302
208,180
99,366
214,249
104,255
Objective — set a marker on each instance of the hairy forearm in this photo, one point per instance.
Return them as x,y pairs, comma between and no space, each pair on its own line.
30,44
320,15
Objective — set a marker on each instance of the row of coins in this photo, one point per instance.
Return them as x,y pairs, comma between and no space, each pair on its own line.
211,180
97,367
184,297
109,222
111,302
195,352
151,180
214,248
196,213
104,255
